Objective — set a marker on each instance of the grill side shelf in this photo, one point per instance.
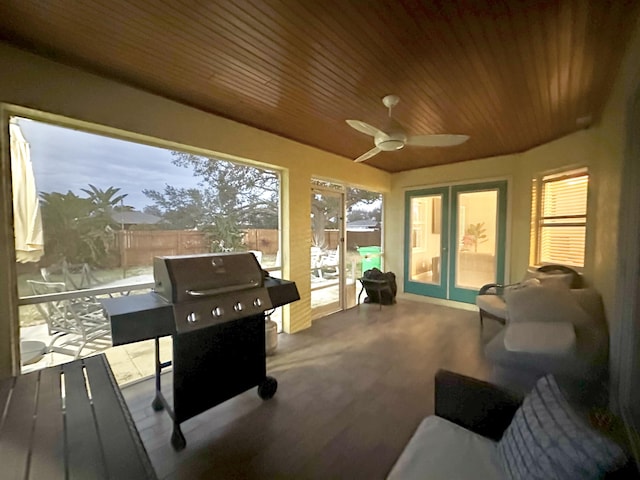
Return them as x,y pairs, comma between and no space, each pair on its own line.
281,292
138,317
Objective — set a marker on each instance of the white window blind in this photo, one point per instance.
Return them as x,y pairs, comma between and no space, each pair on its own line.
562,218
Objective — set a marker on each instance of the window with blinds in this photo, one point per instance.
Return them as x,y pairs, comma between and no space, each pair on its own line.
561,213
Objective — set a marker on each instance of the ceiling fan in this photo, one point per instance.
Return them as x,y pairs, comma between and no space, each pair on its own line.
394,137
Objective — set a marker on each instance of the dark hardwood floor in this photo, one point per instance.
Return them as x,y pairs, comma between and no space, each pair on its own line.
352,389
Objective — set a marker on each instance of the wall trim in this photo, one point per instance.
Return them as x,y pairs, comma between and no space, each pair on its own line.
437,301
9,329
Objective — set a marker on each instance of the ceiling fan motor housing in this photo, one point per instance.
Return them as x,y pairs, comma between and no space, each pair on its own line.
388,142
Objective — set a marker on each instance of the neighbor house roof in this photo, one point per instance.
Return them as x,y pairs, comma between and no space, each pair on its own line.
368,224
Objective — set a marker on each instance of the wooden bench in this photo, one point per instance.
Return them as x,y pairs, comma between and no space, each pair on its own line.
69,421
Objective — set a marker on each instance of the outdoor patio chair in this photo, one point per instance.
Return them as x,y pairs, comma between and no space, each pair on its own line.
330,264
77,321
74,276
316,263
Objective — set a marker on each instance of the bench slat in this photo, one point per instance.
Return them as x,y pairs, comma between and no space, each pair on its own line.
123,449
15,436
48,435
80,436
85,460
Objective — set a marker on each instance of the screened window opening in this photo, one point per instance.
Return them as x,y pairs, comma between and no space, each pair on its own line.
561,218
91,214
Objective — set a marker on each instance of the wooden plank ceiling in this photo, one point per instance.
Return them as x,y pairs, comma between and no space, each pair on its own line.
511,74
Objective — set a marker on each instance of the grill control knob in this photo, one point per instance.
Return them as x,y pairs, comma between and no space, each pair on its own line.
192,317
238,307
217,312
257,303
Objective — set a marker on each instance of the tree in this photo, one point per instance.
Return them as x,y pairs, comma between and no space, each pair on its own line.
357,197
181,208
325,213
325,210
103,200
364,214
75,229
230,197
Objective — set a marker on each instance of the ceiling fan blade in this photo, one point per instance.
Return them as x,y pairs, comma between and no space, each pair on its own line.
363,127
443,140
369,154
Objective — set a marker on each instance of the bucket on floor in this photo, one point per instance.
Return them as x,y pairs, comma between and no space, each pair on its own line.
370,257
271,335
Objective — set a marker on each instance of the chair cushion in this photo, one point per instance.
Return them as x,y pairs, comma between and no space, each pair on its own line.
540,337
440,449
555,279
547,439
540,303
529,282
588,360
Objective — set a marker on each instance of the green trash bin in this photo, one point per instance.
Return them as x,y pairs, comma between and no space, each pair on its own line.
370,257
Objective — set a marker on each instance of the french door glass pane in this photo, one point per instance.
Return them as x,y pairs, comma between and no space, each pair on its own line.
476,244
426,224
326,230
363,246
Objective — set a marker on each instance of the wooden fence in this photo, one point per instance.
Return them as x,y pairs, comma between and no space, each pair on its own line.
260,239
363,239
138,247
267,240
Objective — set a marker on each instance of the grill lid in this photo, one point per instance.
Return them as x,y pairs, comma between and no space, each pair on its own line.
183,278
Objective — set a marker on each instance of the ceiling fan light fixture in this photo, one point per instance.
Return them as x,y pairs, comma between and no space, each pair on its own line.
390,101
390,145
388,142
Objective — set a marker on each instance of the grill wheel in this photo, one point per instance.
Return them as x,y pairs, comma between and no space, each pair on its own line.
267,389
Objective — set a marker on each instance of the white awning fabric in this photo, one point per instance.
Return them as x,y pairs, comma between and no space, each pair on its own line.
27,221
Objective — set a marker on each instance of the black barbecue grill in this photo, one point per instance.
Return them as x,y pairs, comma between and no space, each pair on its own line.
213,307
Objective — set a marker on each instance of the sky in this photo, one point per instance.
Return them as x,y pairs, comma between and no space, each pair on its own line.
65,159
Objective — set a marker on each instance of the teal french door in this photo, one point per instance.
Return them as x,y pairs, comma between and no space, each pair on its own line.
426,242
455,239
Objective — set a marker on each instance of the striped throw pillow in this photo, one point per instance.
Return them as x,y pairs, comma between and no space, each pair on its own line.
548,440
